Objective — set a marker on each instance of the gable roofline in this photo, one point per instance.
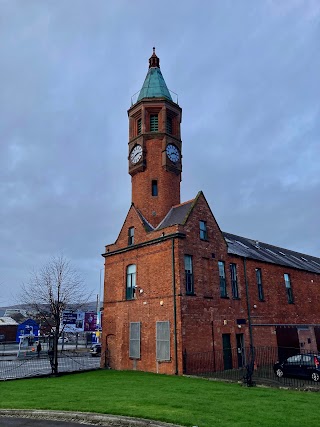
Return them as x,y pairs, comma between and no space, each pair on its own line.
193,203
146,224
141,218
201,194
175,207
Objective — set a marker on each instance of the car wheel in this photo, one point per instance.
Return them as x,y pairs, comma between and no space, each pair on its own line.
315,376
279,373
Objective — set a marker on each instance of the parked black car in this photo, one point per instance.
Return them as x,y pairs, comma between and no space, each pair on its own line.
301,365
95,350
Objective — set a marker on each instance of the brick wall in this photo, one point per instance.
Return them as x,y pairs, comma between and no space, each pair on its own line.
204,317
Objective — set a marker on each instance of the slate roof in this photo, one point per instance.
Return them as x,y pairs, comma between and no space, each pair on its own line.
242,246
147,226
177,215
260,251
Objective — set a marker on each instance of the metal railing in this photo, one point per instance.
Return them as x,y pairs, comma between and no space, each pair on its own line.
251,366
30,365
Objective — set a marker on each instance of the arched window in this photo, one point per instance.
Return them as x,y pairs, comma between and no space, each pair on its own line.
131,282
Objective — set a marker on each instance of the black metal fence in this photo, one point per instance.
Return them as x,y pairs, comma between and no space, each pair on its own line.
252,366
23,366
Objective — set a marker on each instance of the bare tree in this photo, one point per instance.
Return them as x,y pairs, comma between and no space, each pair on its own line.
55,287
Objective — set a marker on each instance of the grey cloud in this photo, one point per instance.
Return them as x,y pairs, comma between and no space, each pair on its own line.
247,78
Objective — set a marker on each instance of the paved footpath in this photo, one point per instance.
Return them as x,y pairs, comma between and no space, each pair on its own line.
29,422
33,418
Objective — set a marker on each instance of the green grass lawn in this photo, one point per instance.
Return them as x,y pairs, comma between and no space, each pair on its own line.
179,400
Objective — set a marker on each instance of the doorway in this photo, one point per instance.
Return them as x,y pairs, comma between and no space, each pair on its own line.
227,353
240,350
288,342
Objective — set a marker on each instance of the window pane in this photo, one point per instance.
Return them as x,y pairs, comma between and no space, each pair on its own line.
287,280
221,269
188,274
288,288
259,284
222,277
131,268
154,187
131,282
131,236
234,280
203,230
188,263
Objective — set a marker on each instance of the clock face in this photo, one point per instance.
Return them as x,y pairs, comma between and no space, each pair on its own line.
173,153
136,154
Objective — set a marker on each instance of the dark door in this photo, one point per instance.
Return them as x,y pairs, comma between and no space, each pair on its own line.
227,353
288,342
317,334
240,350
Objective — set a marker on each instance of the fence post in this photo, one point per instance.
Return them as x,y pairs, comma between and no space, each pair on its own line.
250,368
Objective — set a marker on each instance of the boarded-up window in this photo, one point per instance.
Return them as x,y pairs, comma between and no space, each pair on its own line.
134,345
163,341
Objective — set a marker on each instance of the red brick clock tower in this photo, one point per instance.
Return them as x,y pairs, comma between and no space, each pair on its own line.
155,147
176,286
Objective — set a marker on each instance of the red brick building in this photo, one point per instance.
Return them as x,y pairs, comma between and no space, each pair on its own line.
174,282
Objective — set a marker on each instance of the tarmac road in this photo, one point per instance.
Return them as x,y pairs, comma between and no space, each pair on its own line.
39,418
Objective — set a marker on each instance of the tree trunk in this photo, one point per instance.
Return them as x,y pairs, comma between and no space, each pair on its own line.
55,347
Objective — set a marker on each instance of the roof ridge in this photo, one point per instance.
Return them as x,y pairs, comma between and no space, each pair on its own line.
143,219
270,245
161,222
183,203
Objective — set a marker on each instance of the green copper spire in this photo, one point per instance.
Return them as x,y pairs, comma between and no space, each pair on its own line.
154,85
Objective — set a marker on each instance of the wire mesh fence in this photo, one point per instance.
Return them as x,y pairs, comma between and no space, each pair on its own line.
287,367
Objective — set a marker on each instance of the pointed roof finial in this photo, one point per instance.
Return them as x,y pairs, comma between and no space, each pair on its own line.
154,61
154,85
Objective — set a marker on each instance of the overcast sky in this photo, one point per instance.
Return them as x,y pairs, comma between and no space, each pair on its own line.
247,75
